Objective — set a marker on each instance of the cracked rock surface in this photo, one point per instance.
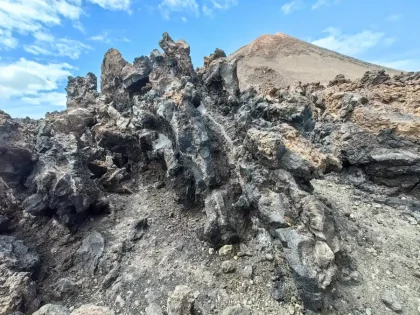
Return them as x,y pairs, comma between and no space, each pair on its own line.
171,191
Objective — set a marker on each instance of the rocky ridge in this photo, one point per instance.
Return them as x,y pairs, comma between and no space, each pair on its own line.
169,172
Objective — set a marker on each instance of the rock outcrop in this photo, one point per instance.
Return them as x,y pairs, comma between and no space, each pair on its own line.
18,267
245,159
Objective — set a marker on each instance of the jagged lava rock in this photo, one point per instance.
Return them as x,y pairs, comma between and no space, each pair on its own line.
245,159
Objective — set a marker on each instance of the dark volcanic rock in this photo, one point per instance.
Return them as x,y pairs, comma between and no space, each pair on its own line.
90,251
17,264
16,151
246,160
82,91
4,224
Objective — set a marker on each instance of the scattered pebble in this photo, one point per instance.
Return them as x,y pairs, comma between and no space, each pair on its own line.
269,257
248,271
228,267
226,250
391,301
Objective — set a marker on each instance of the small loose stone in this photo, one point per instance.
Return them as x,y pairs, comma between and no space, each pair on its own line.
226,250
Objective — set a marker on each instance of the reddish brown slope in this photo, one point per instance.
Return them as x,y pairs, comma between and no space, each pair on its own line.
280,60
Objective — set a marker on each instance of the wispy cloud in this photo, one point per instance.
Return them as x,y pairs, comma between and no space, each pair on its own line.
123,5
323,3
400,64
223,4
79,26
46,44
319,3
289,7
351,44
42,36
193,7
106,38
207,10
29,16
7,41
31,82
46,98
30,79
103,38
213,5
167,7
394,17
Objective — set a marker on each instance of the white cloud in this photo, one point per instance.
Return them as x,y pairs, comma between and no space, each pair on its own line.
33,82
394,17
322,3
48,98
223,4
106,38
35,17
403,64
103,38
42,36
36,83
178,6
217,5
113,4
63,47
28,16
319,3
37,50
207,11
289,7
193,8
351,44
7,41
79,26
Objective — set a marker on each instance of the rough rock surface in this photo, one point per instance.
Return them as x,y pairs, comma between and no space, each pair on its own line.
53,309
173,190
18,267
181,301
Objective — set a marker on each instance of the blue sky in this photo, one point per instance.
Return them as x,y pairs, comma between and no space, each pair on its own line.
44,41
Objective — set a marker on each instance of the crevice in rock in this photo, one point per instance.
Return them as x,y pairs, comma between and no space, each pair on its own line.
97,170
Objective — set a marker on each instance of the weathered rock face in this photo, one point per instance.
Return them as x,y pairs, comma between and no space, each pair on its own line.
18,264
16,151
245,159
82,92
373,124
220,76
61,183
218,53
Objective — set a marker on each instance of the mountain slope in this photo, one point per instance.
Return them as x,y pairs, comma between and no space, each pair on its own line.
281,60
